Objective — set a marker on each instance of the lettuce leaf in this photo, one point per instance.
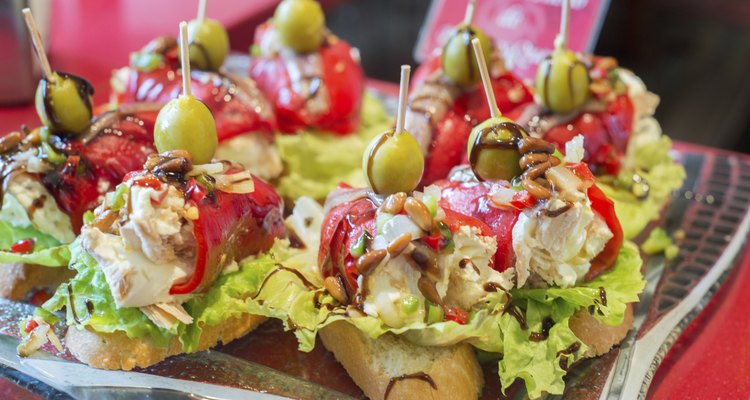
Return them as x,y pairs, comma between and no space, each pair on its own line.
305,308
15,226
650,158
88,300
539,363
57,256
88,303
316,162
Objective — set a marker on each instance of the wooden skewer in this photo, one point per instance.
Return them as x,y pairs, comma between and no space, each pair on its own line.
469,17
36,38
202,10
562,37
185,55
403,91
486,82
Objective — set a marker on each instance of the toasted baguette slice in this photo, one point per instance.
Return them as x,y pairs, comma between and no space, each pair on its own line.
17,280
373,365
599,337
117,351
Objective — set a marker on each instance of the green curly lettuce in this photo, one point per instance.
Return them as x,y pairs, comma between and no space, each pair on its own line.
650,159
294,294
15,226
316,162
88,301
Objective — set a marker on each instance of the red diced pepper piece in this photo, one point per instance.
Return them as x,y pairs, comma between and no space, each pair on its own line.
457,315
24,246
30,326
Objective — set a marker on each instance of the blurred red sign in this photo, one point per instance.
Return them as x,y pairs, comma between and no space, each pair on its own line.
524,30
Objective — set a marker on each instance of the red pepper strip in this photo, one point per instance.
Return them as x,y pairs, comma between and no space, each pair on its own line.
233,107
122,145
456,314
603,206
148,181
522,200
30,326
342,77
342,227
230,227
24,246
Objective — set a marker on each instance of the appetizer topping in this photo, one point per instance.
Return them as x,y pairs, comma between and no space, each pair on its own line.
411,261
562,80
209,44
186,123
460,64
493,149
147,248
393,161
300,24
63,102
556,241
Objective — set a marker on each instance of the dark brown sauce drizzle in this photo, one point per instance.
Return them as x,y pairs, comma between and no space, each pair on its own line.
418,375
566,353
599,303
73,305
492,287
309,285
547,324
204,52
481,142
85,91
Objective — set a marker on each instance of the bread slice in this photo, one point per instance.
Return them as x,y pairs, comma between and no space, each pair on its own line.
376,364
17,280
599,337
117,351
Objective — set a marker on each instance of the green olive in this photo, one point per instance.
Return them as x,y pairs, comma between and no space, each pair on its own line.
493,149
209,44
562,81
393,163
63,102
185,123
300,24
458,59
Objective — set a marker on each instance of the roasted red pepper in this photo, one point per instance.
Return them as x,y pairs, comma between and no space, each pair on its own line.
238,107
230,227
24,246
30,326
342,80
114,145
457,315
603,206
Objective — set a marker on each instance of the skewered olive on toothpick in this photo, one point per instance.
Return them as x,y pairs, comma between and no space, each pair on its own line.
63,101
458,59
393,161
209,44
300,24
208,41
493,144
562,80
185,123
